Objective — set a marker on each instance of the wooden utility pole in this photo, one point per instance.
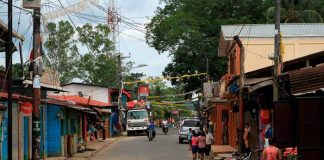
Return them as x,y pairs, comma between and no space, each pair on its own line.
9,50
276,57
120,84
36,87
241,103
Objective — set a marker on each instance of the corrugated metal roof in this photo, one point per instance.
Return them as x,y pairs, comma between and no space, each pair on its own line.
268,30
79,100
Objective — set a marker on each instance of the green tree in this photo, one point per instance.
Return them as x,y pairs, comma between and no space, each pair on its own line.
61,51
189,31
98,70
98,66
297,11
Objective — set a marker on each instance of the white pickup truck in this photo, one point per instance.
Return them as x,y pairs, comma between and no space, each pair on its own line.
137,121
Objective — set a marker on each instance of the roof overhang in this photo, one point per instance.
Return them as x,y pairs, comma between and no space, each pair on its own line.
4,30
47,86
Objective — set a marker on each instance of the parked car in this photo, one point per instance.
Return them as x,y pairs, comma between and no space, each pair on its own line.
194,124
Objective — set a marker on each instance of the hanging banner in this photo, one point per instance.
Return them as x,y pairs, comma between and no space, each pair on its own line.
26,108
31,4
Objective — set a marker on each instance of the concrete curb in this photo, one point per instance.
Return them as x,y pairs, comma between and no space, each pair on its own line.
100,149
96,151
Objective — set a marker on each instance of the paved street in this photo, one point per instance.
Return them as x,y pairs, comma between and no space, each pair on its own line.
163,147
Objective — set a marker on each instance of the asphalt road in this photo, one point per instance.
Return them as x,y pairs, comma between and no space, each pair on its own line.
163,147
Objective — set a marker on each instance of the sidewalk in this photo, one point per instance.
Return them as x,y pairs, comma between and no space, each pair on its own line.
222,151
91,150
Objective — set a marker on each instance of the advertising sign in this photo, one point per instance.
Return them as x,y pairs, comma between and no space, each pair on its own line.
143,91
26,108
31,4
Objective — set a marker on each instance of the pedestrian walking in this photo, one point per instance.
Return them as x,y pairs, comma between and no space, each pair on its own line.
209,141
202,144
271,152
194,145
189,138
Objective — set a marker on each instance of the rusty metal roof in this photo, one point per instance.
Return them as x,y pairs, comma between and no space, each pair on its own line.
306,80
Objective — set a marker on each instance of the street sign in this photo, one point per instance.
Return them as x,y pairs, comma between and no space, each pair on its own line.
31,4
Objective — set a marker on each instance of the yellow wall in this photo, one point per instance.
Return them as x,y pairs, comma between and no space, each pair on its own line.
257,50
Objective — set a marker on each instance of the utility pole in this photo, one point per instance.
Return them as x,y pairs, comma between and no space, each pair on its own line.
113,21
276,57
36,87
9,51
241,103
120,84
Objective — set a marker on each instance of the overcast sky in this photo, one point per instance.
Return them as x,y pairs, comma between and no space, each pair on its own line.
130,40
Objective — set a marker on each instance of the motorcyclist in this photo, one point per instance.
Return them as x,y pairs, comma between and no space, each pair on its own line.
151,127
165,126
164,123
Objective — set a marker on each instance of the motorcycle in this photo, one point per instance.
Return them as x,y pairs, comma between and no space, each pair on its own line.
165,129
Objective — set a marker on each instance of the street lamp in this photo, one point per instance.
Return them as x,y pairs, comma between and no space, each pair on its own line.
139,66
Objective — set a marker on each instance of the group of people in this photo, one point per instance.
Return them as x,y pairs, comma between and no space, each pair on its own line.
200,143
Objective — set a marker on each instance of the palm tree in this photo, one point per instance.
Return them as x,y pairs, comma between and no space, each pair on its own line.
297,11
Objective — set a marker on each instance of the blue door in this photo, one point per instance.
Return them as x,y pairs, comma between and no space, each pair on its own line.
53,131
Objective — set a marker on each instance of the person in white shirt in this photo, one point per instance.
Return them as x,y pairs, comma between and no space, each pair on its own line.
209,141
164,122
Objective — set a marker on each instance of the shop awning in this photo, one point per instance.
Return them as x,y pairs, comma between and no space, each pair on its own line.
103,111
255,83
260,84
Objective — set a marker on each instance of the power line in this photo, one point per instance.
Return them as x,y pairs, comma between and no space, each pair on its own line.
18,7
132,36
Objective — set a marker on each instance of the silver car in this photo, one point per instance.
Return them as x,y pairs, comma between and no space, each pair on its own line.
194,124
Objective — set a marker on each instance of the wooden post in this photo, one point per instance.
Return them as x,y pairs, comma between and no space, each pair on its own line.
276,57
36,88
241,103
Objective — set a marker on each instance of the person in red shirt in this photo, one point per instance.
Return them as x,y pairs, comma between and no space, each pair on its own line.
202,144
271,152
194,145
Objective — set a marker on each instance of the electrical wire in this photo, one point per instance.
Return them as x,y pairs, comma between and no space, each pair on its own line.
74,24
18,7
132,36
